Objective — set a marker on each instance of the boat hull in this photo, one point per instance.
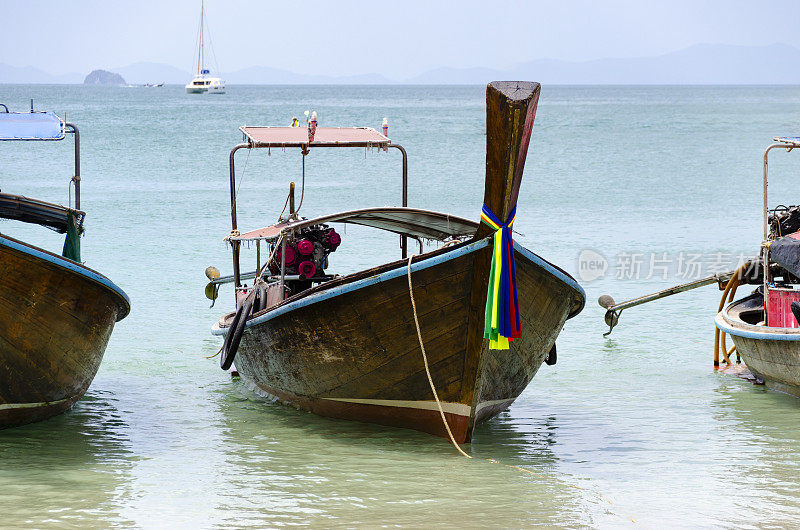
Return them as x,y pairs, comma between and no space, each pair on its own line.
350,349
205,90
56,317
771,353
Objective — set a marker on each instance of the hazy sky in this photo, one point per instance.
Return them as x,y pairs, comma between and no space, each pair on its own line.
394,38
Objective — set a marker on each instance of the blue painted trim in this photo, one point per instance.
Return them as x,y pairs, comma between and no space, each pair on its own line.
401,271
757,335
70,265
366,282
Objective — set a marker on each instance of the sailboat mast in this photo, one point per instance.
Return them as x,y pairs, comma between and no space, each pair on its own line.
200,57
202,30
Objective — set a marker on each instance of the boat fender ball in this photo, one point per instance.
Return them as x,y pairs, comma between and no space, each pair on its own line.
551,358
307,269
305,247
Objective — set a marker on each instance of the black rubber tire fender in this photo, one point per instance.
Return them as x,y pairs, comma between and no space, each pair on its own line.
234,336
261,298
229,335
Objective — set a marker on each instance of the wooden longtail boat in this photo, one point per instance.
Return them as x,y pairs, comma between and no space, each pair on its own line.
56,315
766,329
347,347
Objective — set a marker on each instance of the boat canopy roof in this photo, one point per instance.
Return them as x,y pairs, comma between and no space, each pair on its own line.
412,222
323,137
31,126
38,212
792,141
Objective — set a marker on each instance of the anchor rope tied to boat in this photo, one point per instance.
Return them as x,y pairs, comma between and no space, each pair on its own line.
439,404
502,308
425,360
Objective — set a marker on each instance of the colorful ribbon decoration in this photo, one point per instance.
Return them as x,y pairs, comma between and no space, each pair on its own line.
502,309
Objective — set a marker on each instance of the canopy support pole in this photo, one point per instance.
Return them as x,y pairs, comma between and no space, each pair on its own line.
234,243
76,179
764,246
403,239
231,160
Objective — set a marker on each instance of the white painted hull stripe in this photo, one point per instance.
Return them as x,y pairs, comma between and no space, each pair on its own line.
7,406
451,408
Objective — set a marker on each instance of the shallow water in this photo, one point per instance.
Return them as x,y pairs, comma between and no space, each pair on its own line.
634,427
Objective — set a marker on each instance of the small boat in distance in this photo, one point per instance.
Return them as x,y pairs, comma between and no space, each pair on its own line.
203,82
485,309
56,315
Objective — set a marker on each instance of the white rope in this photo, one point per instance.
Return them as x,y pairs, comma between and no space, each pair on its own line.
425,360
444,420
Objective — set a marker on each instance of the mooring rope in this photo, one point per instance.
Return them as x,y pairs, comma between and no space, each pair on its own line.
441,411
425,360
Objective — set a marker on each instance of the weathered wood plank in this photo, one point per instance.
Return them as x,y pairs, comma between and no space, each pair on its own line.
54,327
362,344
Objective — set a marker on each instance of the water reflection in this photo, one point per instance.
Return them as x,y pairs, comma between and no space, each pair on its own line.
293,467
758,455
69,470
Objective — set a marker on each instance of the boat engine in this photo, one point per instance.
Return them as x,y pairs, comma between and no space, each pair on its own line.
784,220
306,255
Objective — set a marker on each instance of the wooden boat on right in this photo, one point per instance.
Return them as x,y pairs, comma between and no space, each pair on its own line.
766,329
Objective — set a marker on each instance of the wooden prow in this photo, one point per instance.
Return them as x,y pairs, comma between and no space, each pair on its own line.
510,111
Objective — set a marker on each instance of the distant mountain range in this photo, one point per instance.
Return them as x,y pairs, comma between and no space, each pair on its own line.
700,64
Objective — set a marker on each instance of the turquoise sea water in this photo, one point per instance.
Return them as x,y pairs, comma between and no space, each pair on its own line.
631,430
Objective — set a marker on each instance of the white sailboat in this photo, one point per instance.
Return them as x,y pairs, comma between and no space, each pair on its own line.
203,82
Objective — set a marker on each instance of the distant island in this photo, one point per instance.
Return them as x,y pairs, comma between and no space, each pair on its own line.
701,64
104,77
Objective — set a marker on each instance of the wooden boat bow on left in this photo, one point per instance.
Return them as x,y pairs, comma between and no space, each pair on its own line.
56,314
346,346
